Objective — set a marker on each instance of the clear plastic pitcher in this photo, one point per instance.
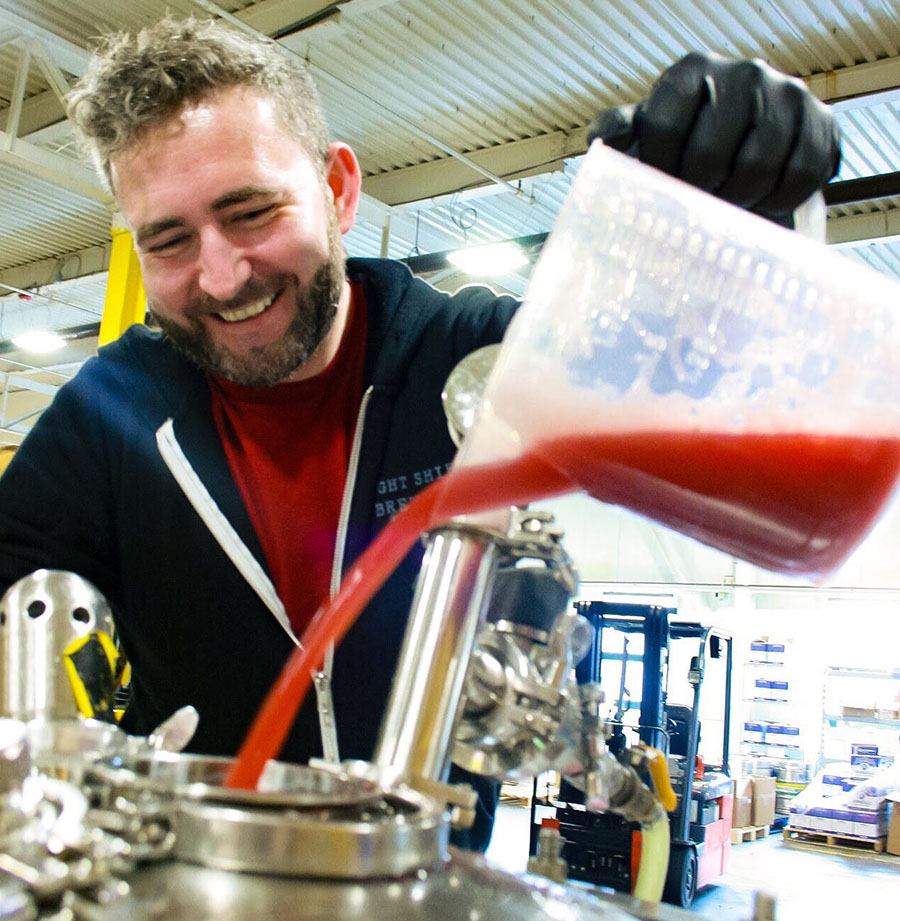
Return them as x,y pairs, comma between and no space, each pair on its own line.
705,368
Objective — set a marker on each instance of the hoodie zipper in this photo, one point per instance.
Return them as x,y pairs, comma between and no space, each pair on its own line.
322,679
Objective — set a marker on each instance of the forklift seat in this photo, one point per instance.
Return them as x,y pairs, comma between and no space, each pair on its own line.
678,724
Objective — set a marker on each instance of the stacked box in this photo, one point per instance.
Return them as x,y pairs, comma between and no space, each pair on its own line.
769,737
770,689
782,734
893,840
762,650
742,816
865,758
842,803
763,810
853,823
754,732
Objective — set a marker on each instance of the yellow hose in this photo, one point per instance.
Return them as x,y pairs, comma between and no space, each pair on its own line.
654,863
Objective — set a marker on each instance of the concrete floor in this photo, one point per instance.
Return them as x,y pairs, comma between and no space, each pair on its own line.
808,881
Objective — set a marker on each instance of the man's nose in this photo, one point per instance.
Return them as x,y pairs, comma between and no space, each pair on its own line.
223,267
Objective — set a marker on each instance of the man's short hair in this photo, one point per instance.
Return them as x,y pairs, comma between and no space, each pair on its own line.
136,82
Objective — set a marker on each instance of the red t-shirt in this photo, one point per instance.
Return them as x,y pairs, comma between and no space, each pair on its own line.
288,448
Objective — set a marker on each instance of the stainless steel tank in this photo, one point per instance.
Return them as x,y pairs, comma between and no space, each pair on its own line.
312,843
463,888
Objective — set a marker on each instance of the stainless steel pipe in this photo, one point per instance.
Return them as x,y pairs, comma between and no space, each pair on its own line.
416,733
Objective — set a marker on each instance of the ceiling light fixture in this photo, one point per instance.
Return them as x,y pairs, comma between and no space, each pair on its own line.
493,259
39,340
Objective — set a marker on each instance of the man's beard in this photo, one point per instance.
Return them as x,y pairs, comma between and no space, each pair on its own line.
265,366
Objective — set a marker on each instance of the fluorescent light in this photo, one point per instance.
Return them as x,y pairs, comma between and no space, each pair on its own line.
39,340
493,259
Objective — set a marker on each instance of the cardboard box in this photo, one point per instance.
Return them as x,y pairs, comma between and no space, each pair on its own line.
763,809
742,815
852,823
893,838
770,689
858,712
754,732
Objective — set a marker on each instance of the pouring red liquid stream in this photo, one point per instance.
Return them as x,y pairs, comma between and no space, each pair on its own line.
790,502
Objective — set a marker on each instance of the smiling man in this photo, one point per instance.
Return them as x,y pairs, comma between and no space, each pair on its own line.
216,478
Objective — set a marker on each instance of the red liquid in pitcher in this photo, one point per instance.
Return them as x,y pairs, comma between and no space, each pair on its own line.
788,502
794,503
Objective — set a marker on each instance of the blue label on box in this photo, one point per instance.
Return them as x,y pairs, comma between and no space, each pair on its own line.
785,730
860,749
768,648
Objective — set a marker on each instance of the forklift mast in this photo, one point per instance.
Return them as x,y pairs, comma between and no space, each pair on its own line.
657,626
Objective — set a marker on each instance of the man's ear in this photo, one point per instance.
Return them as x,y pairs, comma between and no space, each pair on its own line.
344,179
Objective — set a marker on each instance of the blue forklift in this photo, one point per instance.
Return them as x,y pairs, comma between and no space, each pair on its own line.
604,849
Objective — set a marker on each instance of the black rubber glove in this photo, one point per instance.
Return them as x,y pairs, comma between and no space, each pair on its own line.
738,129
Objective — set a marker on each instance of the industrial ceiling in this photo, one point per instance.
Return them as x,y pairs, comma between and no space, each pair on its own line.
469,119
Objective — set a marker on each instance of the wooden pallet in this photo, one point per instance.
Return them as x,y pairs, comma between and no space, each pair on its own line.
516,793
798,834
748,833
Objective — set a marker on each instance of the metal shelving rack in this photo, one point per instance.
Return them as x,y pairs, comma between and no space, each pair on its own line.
832,720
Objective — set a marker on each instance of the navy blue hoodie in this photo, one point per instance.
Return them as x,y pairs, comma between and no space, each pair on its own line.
89,492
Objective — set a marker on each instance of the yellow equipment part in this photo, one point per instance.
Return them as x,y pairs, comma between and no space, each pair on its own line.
659,774
91,663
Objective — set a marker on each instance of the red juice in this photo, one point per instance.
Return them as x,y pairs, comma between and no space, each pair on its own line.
796,503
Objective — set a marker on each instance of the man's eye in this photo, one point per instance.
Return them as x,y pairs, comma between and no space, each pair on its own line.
248,217
167,245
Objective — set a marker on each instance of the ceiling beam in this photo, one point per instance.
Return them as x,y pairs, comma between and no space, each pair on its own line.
515,159
275,16
45,108
52,167
864,229
70,57
14,114
866,188
46,272
39,111
419,230
22,382
857,81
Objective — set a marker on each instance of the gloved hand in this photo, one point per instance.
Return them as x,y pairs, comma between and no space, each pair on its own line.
738,129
